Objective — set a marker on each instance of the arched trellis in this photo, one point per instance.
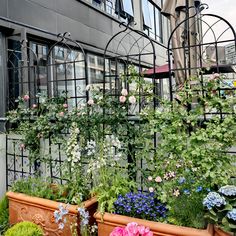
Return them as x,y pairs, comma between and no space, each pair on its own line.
199,45
67,70
202,44
61,69
130,48
22,68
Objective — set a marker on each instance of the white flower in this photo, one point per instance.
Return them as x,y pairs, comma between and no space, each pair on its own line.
90,102
151,189
124,92
132,99
150,178
88,87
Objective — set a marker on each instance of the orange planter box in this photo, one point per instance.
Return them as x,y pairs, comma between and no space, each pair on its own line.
220,232
41,211
109,221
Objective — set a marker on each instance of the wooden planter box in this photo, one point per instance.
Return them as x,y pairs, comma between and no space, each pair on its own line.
110,221
41,211
220,232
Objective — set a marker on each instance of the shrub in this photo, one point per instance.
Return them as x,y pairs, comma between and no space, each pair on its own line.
24,229
4,215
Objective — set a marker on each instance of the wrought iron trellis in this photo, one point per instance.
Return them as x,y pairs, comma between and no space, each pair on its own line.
130,47
60,69
201,42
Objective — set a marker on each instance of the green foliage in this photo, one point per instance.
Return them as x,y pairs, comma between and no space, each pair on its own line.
191,148
39,187
187,210
111,185
24,229
4,215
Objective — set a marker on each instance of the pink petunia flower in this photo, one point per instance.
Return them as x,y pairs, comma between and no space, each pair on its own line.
118,231
65,105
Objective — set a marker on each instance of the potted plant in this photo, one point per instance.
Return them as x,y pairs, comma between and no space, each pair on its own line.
221,210
36,199
190,160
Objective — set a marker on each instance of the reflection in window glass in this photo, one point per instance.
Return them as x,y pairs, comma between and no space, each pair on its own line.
128,7
146,13
152,20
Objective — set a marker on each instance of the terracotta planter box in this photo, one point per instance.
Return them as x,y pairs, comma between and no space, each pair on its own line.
110,221
220,232
40,211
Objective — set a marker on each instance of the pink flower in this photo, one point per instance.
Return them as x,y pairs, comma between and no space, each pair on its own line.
144,231
117,231
124,92
132,229
34,106
214,76
122,99
132,99
61,113
65,105
90,102
22,146
26,97
158,179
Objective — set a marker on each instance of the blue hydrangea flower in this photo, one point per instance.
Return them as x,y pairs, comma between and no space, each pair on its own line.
228,190
232,214
213,199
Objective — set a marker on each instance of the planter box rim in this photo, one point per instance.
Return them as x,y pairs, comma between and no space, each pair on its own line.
31,200
120,220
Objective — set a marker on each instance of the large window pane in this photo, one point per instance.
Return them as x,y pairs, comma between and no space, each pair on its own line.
146,13
128,7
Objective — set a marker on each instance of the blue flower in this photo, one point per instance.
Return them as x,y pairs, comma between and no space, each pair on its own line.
84,216
228,190
199,189
232,214
213,199
186,191
181,180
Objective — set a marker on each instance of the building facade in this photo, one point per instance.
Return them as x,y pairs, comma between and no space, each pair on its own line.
29,29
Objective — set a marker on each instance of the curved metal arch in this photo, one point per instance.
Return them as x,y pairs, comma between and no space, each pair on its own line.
21,48
199,43
129,33
63,40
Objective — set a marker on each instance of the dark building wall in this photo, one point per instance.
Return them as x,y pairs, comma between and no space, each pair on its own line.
87,24
57,16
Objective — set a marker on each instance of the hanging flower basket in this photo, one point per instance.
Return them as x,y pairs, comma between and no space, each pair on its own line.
108,222
41,211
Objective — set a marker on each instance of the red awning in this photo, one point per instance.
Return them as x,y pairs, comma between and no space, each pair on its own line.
162,72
